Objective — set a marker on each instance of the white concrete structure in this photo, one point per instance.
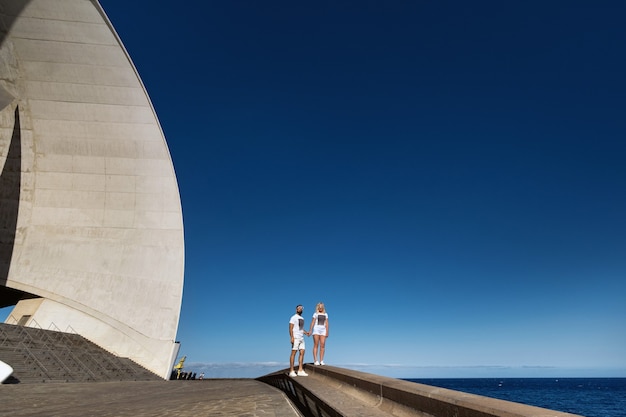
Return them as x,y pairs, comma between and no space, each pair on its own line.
91,232
5,371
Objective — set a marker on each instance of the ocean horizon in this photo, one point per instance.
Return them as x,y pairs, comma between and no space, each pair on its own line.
589,397
575,391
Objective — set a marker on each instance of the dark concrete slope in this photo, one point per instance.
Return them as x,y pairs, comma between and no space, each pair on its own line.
38,355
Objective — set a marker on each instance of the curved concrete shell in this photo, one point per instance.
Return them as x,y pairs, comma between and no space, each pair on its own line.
91,232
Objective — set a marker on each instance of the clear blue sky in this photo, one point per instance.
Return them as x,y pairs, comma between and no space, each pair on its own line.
449,177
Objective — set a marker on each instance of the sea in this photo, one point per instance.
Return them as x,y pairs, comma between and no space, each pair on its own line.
590,397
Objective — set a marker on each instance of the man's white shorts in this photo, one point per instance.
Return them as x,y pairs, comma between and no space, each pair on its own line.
298,344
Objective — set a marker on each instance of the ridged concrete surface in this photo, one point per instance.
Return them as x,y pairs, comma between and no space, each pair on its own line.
212,397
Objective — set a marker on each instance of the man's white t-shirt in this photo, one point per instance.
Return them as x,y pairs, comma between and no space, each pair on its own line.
298,326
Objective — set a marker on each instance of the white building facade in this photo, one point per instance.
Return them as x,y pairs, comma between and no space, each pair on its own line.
91,228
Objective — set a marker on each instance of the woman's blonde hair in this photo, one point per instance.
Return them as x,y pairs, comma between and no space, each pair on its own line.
317,307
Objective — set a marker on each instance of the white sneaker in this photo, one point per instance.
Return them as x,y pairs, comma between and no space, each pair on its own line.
322,363
292,373
316,363
302,373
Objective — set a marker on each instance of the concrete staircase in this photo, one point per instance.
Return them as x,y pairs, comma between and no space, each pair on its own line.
38,355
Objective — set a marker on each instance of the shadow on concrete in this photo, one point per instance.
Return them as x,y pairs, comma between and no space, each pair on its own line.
10,184
10,176
10,10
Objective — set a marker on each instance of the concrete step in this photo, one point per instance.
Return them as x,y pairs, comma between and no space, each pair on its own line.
38,355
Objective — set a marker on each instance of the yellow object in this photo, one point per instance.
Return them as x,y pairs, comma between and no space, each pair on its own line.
180,363
179,366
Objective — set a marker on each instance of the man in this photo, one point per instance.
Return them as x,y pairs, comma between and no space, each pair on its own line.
296,332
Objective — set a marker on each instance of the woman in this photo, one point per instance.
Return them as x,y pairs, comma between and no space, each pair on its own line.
319,329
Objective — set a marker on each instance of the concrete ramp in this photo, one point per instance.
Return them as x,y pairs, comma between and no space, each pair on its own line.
333,391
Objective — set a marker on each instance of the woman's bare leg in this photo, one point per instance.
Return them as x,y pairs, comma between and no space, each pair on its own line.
322,345
316,345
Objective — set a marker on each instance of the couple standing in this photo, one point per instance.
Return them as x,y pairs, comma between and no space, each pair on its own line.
319,328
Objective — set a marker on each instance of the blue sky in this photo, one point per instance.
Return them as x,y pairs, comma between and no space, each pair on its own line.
448,177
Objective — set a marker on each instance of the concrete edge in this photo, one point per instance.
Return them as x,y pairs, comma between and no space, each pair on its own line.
308,403
397,396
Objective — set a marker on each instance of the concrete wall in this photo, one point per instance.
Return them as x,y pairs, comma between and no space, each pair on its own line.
90,213
330,391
